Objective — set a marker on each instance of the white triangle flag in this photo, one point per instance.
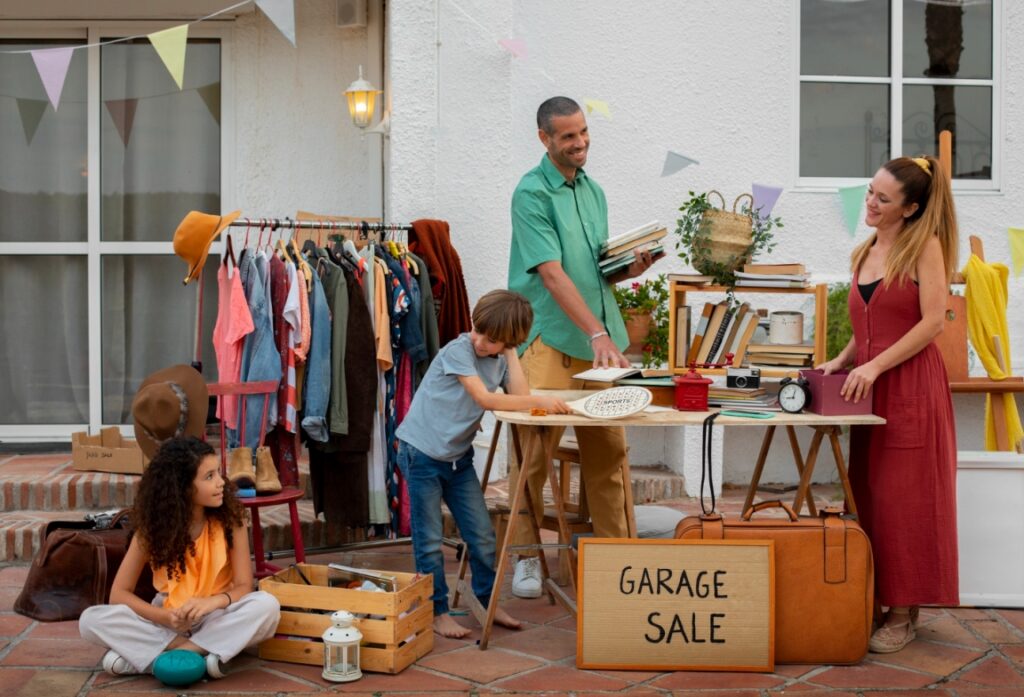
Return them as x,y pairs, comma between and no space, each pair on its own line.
52,64
675,162
282,14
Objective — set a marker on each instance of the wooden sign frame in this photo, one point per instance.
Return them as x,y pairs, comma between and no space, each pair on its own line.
674,565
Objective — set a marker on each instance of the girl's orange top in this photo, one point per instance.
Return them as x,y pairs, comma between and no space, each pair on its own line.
207,572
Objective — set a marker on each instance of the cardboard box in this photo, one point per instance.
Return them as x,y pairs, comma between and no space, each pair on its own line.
825,398
397,628
107,452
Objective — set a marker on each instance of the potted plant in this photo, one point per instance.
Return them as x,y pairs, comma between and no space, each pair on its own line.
644,309
696,243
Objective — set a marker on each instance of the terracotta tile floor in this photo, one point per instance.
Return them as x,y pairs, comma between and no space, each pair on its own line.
960,652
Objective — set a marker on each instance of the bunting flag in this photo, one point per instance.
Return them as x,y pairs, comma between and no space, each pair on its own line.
598,106
282,14
170,45
765,197
210,95
31,111
675,162
1016,235
52,65
852,198
517,47
122,113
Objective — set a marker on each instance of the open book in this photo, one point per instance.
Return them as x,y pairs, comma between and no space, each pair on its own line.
613,374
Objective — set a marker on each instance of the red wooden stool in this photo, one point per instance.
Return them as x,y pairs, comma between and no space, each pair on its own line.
288,495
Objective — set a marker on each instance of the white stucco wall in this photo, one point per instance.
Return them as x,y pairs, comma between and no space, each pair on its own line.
715,82
295,145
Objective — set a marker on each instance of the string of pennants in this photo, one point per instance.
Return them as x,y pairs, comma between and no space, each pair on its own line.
170,44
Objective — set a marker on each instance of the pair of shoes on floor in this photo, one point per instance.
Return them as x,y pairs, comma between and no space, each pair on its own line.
180,668
116,664
262,477
526,581
891,638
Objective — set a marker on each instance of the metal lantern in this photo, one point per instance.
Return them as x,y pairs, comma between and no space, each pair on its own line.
341,649
361,96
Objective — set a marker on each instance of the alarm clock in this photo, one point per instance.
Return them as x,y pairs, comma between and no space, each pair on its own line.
794,395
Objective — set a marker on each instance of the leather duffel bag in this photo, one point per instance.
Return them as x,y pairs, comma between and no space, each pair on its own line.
75,569
824,579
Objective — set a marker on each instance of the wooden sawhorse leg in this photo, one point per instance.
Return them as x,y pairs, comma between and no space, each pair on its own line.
812,455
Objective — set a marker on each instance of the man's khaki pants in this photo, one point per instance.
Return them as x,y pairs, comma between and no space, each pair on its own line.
602,450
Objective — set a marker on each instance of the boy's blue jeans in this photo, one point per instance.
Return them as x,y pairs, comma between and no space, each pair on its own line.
430,481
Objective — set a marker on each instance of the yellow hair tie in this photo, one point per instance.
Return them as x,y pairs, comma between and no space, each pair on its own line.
925,166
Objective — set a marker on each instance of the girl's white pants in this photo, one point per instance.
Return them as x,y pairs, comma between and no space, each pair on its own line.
223,632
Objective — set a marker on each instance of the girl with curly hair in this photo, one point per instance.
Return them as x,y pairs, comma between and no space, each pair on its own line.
191,530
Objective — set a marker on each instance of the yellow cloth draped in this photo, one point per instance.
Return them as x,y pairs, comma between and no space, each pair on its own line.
986,317
207,572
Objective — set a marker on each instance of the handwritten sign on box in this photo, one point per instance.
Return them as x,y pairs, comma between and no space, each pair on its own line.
676,605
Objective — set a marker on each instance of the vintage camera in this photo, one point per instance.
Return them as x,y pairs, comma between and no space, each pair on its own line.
742,377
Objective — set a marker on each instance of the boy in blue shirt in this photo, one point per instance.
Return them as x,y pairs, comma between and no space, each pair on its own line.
435,449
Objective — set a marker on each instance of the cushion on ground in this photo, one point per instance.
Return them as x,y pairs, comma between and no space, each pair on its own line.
656,521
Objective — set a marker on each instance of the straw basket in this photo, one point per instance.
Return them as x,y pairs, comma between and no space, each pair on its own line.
724,237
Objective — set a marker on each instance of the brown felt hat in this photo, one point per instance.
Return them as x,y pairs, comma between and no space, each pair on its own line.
195,234
170,402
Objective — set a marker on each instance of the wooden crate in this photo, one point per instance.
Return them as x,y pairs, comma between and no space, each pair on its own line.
382,649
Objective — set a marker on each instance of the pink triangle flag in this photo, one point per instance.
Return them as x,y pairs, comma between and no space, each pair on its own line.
122,113
765,197
517,47
52,65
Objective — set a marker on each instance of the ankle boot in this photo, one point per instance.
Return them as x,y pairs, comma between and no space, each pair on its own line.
240,469
266,473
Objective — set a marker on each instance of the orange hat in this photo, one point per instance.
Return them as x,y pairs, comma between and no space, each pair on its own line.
194,236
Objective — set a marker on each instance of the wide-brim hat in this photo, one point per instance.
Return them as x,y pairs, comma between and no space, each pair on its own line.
195,234
169,403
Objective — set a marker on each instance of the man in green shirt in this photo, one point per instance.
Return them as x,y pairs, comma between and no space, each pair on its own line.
559,222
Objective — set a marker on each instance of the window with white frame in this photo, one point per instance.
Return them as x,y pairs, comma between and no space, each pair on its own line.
882,78
90,196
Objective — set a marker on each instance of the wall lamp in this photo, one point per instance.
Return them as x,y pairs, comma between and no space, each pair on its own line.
361,96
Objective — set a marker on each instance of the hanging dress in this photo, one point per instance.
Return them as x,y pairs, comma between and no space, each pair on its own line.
903,474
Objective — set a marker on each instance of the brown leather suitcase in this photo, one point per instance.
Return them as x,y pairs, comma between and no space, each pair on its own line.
824,579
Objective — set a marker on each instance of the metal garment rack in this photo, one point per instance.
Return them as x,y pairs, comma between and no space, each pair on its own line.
274,224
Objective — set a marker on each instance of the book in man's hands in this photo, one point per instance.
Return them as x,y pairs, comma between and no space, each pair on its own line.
622,239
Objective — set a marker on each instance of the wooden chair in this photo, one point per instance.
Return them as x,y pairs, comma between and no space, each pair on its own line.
287,495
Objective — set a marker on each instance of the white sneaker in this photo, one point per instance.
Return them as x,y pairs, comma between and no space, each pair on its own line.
526,582
116,664
214,668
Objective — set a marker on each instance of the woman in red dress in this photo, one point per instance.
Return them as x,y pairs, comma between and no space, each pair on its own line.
903,474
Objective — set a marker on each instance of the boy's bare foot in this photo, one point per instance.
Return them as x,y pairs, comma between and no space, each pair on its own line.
446,626
506,620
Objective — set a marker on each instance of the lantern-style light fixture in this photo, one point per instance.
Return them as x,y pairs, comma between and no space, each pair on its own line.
361,97
341,649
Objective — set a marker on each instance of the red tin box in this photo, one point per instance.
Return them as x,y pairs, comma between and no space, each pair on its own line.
825,398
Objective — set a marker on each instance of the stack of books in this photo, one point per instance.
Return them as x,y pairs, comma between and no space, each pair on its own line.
786,355
722,330
773,276
617,252
757,398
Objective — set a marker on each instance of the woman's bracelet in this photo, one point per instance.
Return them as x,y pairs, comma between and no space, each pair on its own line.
597,335
228,595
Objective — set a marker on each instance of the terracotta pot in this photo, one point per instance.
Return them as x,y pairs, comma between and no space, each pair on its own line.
638,325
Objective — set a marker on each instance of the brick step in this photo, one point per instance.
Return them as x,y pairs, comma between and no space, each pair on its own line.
49,483
21,531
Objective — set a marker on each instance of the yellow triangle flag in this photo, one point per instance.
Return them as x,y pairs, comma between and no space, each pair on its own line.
170,45
1017,249
596,105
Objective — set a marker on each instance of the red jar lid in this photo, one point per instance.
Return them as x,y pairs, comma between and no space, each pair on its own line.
691,378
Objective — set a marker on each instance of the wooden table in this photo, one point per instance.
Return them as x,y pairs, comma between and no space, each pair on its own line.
823,426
